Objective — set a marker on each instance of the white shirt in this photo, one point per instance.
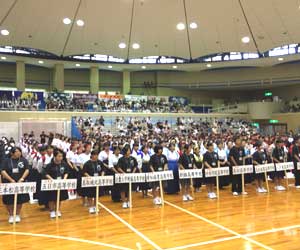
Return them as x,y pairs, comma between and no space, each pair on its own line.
222,154
83,158
48,158
172,156
70,156
113,160
103,156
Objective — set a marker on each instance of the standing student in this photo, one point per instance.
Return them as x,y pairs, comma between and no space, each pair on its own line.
56,169
14,169
198,163
126,165
259,158
112,164
145,169
173,157
236,155
92,167
222,156
210,160
278,156
296,160
158,162
186,161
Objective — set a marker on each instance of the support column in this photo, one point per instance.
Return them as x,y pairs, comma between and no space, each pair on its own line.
20,75
94,80
126,82
59,77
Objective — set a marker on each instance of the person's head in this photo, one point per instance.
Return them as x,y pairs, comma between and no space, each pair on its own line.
259,145
219,144
210,147
126,150
58,155
279,143
145,149
172,147
87,148
94,155
187,148
116,150
49,150
135,147
158,149
196,149
43,150
237,141
15,153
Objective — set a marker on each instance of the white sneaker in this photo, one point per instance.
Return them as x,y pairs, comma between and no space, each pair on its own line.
260,190
155,201
281,188
59,213
10,219
92,210
276,188
159,201
244,193
214,196
235,193
124,205
52,214
190,198
18,218
185,198
298,187
210,196
264,190
128,204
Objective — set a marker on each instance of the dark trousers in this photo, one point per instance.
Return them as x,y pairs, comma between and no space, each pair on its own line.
297,175
236,183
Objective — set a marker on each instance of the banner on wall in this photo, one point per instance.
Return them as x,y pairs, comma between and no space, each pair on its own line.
164,99
85,98
179,100
110,97
6,95
136,98
60,96
28,95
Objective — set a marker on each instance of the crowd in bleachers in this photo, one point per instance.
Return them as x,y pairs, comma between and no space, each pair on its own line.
293,105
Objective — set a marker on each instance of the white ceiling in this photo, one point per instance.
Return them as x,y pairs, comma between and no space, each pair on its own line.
221,25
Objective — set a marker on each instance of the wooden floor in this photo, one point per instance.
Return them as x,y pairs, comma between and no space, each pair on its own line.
256,221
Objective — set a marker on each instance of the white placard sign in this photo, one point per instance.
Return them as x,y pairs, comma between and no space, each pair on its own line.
94,181
214,172
159,176
284,166
270,167
190,173
298,165
59,184
247,169
133,178
17,188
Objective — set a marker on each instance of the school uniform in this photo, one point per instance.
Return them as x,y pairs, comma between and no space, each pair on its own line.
15,168
145,169
222,156
56,171
278,153
112,163
188,162
296,151
212,159
238,155
261,158
128,165
173,185
198,165
158,163
92,168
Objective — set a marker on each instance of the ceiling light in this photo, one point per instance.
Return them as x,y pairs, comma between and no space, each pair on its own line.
3,58
193,25
122,45
180,26
41,62
77,65
280,59
143,67
4,32
109,66
246,39
208,65
67,20
135,46
174,66
80,23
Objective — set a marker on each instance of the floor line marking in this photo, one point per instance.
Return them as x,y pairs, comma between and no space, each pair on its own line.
219,226
271,231
65,238
131,227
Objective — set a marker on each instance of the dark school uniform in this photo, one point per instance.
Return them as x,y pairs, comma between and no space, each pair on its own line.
158,163
56,171
128,165
278,153
212,159
92,168
188,162
261,158
296,151
15,168
198,163
238,154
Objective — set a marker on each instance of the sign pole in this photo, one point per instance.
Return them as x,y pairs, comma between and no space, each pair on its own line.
15,207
